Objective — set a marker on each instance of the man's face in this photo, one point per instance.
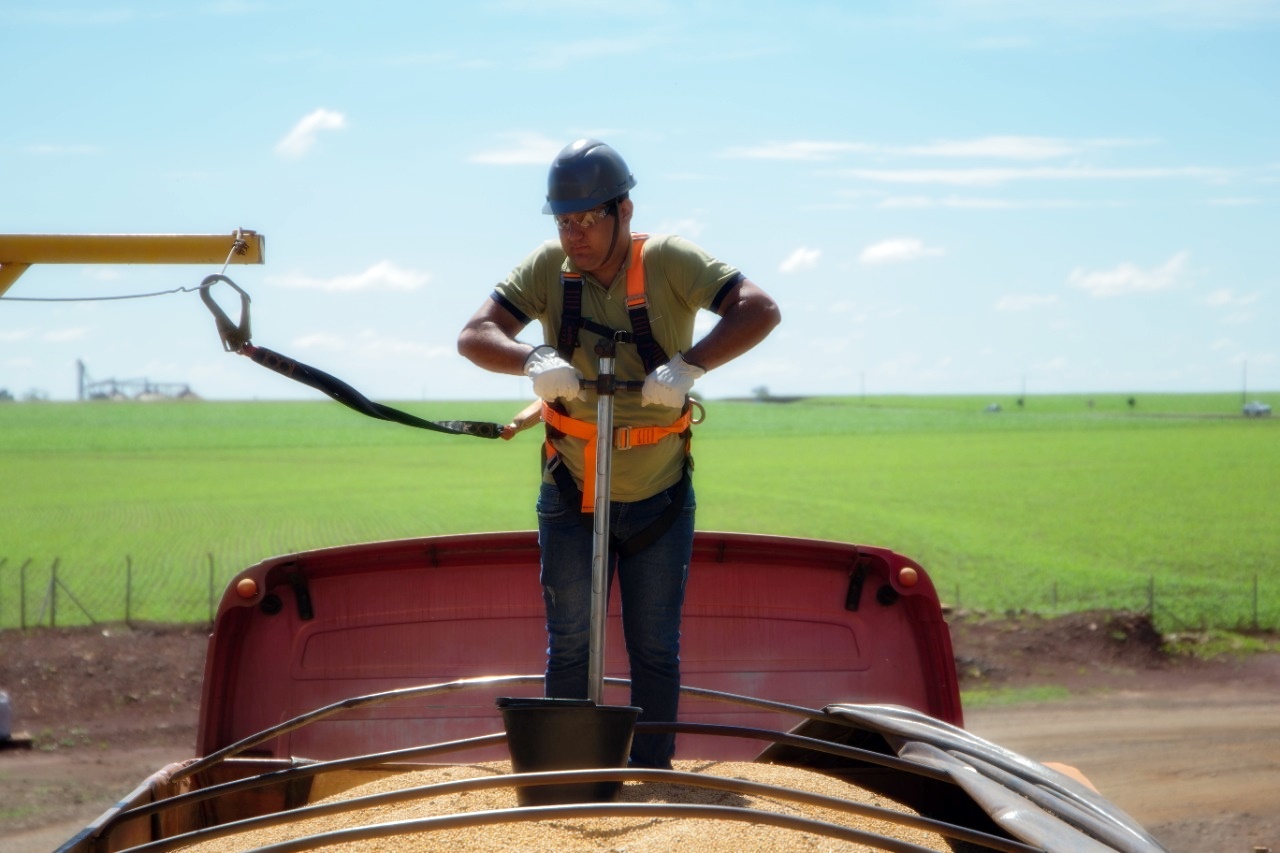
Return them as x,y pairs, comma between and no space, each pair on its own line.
586,237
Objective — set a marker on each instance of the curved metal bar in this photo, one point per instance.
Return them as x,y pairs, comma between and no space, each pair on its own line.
346,705
891,762
370,699
596,810
691,780
366,761
301,771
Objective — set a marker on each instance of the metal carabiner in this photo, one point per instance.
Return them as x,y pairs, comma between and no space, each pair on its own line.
235,337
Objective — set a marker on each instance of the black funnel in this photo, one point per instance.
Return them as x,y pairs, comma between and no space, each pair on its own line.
567,734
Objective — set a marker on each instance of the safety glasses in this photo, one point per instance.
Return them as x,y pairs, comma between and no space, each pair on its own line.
583,220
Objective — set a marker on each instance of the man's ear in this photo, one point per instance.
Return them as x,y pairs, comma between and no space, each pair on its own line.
625,209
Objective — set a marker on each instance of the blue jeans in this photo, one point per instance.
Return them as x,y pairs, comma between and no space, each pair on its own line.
652,584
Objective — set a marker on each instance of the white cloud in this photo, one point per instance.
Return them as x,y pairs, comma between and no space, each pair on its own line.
61,336
1024,302
994,176
320,341
802,258
1004,147
12,336
1130,278
300,140
378,347
1053,364
1003,43
382,276
372,345
520,149
1176,14
797,150
1234,202
899,249
1226,298
971,203
63,150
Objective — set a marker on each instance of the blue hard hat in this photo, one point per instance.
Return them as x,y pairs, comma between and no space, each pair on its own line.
586,174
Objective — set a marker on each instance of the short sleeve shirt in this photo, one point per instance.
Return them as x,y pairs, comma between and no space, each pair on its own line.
680,279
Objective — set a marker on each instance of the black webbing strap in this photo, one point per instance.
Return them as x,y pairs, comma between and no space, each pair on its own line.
639,540
652,355
350,397
235,338
570,315
651,352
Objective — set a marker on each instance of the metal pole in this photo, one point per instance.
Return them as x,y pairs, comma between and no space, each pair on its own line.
600,520
53,594
22,594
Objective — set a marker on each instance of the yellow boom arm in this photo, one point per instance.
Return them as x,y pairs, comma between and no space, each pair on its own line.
19,251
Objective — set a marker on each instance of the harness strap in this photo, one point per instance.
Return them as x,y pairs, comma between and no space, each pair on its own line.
641,539
571,283
651,352
353,399
624,438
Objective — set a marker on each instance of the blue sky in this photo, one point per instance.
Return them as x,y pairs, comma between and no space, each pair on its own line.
958,196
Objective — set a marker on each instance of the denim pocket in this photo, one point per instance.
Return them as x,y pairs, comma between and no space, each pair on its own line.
551,504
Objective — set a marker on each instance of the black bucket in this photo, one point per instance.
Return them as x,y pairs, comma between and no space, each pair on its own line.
567,734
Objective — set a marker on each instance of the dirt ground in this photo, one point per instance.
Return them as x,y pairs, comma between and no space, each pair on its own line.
1190,748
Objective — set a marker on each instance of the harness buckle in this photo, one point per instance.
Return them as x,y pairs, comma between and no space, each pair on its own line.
622,438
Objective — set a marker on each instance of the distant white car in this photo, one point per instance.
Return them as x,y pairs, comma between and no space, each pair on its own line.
1255,409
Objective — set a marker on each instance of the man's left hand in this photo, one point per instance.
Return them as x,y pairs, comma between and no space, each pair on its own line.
669,384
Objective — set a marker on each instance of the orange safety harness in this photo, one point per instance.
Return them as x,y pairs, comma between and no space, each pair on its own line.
558,421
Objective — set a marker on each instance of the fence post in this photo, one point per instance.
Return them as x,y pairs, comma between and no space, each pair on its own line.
1255,601
53,594
210,556
22,594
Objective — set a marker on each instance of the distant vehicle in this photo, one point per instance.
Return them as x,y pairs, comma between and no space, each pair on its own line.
1256,409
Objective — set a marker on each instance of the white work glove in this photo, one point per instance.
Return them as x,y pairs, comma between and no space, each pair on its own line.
552,376
669,384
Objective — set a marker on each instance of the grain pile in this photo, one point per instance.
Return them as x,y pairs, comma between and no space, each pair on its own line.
619,835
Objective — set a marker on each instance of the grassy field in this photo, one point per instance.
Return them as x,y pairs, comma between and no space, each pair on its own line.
1062,503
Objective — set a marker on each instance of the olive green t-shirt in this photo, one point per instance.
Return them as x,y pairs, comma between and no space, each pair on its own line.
680,279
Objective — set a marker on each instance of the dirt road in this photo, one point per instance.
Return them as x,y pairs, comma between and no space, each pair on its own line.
1197,764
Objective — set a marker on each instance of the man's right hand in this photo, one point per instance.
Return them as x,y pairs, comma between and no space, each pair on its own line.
553,377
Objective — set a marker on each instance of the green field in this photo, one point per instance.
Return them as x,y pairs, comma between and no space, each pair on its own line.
145,508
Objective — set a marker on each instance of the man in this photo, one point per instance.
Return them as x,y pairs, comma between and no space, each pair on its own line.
596,281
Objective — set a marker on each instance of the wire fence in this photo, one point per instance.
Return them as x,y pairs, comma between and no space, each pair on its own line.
55,595
1174,604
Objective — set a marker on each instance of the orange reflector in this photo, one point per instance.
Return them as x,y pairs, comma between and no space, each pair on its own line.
908,576
247,588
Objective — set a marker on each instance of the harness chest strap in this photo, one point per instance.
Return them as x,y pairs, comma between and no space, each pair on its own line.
624,438
572,322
